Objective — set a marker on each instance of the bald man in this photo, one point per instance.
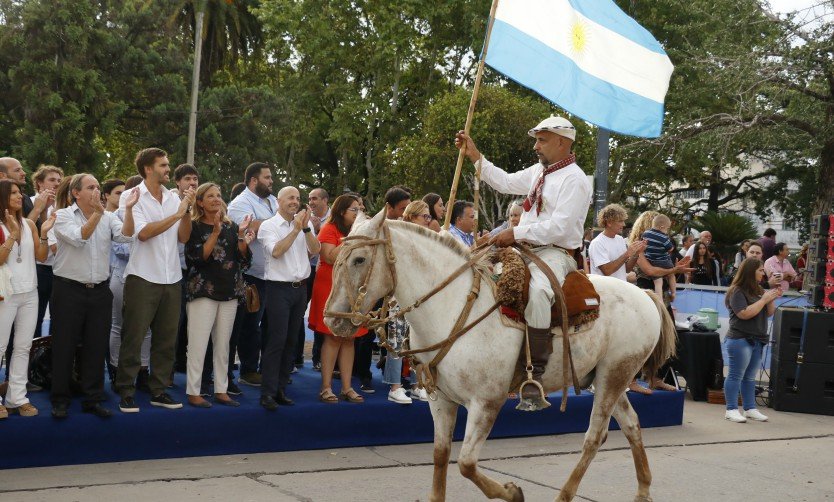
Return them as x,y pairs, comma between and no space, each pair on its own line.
288,242
12,169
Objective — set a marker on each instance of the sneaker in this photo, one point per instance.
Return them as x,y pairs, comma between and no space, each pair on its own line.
366,388
398,396
24,410
754,414
419,394
253,379
164,401
232,389
317,367
294,370
734,416
128,405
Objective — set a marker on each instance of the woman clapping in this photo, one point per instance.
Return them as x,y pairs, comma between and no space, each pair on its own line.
216,254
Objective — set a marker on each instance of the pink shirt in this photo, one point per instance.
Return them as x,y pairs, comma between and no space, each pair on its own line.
773,264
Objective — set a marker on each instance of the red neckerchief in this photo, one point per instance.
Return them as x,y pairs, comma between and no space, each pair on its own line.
534,198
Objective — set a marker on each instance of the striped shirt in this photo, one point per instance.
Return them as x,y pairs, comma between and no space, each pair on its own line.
658,246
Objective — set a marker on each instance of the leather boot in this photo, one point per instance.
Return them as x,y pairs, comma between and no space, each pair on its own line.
541,346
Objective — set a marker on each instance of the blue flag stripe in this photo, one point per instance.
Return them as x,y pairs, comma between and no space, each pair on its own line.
607,14
534,65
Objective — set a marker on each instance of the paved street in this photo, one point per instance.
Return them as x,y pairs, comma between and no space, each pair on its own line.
708,458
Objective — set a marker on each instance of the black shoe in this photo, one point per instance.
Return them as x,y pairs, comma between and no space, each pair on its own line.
283,400
164,401
142,379
59,410
299,365
317,367
232,389
128,405
97,409
269,404
366,387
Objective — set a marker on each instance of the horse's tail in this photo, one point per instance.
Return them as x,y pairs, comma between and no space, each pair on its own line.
666,346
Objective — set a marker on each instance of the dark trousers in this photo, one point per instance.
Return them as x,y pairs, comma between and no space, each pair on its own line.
302,333
76,314
318,341
44,294
182,330
364,347
285,308
154,306
247,333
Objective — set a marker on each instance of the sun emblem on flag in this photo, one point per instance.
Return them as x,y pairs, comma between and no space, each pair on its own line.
579,37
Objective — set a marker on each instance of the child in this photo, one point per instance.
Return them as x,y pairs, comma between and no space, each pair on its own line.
657,251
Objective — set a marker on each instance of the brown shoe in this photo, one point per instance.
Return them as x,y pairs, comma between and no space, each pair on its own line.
253,379
3,412
25,410
4,386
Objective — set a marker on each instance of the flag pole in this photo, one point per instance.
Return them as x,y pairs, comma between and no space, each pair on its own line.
468,126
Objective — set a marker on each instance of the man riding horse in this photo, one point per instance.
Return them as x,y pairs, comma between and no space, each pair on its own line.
558,196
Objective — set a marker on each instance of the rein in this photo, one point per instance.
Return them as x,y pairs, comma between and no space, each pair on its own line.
376,320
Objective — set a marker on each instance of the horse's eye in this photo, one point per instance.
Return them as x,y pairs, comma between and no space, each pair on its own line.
359,261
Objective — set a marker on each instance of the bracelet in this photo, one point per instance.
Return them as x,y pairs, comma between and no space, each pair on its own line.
306,230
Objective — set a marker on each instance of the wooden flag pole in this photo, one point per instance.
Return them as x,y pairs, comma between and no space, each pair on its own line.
462,153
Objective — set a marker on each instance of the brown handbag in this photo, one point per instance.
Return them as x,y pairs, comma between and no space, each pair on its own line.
253,299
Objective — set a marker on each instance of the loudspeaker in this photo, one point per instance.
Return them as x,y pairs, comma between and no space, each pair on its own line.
819,335
814,392
820,224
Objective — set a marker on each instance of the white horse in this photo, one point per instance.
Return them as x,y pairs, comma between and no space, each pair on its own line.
407,261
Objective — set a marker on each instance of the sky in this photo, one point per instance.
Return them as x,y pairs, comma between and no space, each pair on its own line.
808,9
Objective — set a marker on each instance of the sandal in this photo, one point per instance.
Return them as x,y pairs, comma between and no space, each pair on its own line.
352,396
327,396
661,385
639,389
3,412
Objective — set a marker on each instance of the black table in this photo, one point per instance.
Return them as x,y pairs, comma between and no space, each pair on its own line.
699,361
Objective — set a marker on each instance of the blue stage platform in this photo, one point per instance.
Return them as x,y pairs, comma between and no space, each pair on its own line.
159,433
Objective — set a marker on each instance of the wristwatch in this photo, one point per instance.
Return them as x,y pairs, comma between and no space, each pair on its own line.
306,230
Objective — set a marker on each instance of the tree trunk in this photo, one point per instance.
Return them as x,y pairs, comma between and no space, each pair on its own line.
714,189
825,181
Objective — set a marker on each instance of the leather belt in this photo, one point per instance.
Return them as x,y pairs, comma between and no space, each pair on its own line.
88,285
294,284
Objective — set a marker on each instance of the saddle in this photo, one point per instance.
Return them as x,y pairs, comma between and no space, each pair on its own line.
581,298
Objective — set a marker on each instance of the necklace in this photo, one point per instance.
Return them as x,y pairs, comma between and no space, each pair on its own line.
19,259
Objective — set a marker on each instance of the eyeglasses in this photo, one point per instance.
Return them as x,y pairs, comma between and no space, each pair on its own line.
353,209
426,217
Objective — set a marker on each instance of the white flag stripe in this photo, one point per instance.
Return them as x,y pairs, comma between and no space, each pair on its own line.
596,50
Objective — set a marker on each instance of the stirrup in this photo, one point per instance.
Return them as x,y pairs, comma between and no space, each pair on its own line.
536,403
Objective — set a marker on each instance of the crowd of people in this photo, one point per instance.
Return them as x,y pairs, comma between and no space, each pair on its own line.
198,285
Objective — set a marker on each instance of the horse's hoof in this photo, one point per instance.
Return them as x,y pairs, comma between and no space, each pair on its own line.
641,498
532,404
516,495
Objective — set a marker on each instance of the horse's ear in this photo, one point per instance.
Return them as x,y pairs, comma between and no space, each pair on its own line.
379,218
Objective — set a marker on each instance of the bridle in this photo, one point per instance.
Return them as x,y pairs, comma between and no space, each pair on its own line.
377,319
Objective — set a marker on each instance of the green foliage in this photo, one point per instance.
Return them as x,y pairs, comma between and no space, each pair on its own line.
728,230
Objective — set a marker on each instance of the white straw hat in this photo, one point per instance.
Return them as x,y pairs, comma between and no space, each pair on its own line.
556,125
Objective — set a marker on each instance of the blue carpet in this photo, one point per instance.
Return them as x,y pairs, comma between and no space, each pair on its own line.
160,433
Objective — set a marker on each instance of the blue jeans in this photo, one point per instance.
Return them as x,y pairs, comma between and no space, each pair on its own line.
743,361
392,374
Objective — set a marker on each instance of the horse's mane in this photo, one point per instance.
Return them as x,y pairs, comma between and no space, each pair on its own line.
444,237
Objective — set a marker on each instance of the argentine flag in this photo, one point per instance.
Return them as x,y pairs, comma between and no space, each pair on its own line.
588,57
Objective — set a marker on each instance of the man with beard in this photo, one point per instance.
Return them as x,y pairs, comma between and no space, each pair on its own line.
152,292
255,200
558,195
288,241
318,200
185,177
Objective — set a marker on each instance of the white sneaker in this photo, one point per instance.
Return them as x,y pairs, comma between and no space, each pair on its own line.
754,414
734,416
420,394
398,396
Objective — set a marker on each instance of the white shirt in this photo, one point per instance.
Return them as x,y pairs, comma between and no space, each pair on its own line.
50,257
566,195
23,277
248,203
85,260
294,264
157,259
604,249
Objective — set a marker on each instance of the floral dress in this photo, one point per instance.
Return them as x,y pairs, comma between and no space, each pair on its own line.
220,277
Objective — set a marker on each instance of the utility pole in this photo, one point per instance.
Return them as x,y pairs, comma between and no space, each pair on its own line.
195,83
601,172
